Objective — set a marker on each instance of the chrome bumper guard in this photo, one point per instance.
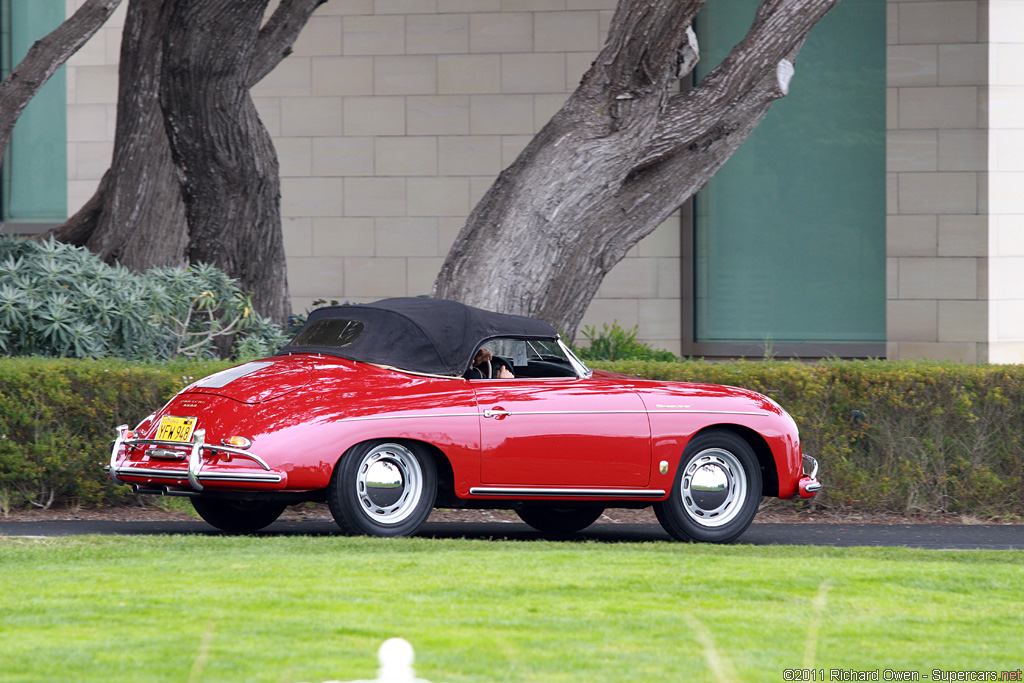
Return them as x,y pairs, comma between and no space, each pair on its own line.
808,460
195,462
809,485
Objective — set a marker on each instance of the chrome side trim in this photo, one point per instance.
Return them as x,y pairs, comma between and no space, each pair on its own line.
624,412
490,413
407,417
712,412
565,492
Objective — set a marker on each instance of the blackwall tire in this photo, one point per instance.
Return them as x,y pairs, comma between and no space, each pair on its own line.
558,519
716,492
237,516
383,488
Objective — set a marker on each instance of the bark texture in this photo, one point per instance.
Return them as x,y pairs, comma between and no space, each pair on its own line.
278,36
137,215
44,58
621,155
227,164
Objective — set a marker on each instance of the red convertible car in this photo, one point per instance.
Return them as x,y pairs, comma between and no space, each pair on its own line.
390,409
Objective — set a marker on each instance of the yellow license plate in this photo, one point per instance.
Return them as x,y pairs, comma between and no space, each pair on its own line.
175,428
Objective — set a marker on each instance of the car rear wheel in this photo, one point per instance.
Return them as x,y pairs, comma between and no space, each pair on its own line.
716,491
238,516
558,519
383,489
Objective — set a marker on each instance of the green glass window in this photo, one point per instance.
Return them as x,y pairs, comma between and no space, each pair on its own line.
789,236
35,169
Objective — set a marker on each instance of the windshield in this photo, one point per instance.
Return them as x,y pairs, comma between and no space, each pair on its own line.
529,358
522,352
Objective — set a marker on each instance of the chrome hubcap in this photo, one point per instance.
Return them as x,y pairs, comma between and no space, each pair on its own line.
714,486
389,483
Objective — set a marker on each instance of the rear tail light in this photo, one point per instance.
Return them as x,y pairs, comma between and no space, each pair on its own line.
237,442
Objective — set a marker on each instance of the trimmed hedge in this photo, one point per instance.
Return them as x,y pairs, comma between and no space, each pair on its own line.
57,419
891,437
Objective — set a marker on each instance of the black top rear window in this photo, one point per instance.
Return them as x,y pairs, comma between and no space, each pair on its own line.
431,336
336,333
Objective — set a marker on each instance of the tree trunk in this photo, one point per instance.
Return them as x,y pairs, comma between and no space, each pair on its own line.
44,58
620,156
227,163
137,215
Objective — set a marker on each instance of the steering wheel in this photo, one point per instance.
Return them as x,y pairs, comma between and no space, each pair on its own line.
493,367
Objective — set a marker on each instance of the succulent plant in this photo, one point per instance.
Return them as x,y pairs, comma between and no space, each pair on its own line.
61,300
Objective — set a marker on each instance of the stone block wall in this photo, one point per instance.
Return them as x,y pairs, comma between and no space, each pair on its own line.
937,174
92,106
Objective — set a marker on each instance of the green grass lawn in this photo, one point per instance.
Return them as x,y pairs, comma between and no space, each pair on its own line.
287,609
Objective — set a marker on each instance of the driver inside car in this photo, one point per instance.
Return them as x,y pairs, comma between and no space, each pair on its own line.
482,367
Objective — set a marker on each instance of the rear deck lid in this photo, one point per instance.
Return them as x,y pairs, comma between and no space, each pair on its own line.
257,381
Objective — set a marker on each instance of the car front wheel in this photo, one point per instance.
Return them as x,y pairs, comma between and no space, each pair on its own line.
237,516
382,489
558,519
716,491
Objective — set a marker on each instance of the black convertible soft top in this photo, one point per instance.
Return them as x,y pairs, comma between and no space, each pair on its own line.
432,336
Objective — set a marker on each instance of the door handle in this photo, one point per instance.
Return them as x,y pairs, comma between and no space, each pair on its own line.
496,412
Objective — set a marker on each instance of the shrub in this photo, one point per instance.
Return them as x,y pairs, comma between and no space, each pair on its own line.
57,419
616,343
59,300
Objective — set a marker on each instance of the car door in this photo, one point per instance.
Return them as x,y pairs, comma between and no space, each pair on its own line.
562,432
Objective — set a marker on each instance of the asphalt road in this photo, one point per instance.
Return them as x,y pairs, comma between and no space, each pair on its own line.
932,536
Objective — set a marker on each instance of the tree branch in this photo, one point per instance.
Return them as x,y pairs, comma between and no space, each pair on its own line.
643,40
621,155
649,43
706,124
777,34
44,58
278,35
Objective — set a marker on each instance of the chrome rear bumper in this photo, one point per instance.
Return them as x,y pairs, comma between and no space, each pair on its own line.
194,452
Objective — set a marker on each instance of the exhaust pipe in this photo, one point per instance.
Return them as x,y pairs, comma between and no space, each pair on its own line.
163,491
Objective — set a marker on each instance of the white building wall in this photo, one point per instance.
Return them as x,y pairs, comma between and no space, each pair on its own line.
1005,191
92,106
